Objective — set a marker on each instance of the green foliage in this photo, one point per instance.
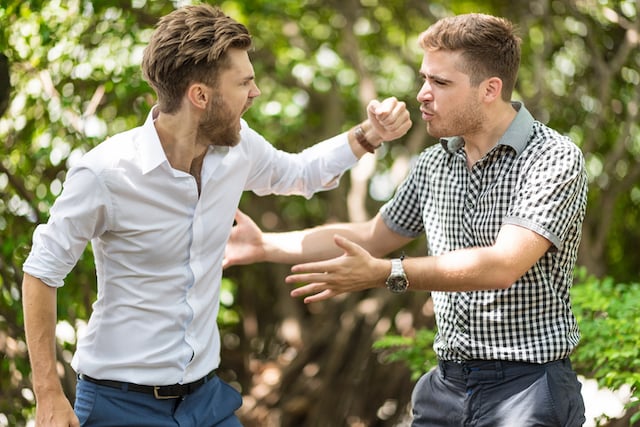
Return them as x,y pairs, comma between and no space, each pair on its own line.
609,317
228,315
75,80
416,351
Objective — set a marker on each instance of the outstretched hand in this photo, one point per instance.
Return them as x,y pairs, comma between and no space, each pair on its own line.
355,270
245,242
389,118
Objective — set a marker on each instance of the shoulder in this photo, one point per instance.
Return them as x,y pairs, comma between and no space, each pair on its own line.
111,152
551,155
548,143
253,147
248,136
248,133
544,137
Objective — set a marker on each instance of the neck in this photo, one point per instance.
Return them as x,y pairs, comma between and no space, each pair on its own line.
178,136
498,121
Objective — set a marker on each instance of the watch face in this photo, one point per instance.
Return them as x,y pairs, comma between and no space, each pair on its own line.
397,284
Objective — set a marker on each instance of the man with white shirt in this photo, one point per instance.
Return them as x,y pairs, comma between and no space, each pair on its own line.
157,203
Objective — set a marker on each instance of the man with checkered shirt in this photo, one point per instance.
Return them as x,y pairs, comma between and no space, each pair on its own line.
501,200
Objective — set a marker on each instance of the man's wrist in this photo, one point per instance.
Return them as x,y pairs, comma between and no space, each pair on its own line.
367,137
47,388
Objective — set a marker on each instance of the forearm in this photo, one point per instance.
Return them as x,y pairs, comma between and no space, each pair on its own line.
39,304
316,244
471,269
305,245
456,271
480,268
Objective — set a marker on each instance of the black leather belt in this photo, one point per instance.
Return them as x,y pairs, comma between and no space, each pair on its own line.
173,391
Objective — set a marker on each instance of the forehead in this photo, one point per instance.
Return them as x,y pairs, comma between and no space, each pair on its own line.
441,63
239,65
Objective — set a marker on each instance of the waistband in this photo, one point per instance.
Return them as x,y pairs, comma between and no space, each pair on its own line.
490,369
173,391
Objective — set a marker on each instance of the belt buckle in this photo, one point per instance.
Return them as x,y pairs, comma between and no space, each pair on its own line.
161,396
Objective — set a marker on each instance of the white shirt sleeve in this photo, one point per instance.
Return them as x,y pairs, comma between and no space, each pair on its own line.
78,215
317,168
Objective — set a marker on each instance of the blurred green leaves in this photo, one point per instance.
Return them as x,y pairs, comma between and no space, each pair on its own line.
608,313
75,80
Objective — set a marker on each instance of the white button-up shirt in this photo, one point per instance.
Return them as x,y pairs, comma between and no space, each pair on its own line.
158,246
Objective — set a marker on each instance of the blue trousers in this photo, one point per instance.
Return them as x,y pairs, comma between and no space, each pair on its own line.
499,394
213,404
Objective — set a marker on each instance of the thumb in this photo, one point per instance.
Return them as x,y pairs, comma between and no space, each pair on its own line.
384,108
349,247
373,106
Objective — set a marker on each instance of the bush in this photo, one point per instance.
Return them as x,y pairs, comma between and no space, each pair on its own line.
609,317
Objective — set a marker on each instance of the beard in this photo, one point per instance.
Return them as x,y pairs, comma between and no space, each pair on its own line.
219,125
464,121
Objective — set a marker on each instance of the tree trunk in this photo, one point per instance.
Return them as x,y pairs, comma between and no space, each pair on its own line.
326,372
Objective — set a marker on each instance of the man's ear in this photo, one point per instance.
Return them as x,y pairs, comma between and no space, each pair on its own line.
198,95
491,89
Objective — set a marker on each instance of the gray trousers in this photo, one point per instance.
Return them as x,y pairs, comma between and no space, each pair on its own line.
498,394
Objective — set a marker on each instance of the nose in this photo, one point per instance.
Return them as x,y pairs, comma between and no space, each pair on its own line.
255,91
425,94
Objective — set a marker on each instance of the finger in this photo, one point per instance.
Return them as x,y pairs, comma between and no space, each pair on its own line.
324,295
311,267
305,278
396,117
383,109
398,127
311,288
373,105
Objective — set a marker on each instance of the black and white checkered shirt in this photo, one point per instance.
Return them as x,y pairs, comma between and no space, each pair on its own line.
535,178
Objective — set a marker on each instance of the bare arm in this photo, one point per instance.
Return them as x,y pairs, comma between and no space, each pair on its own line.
495,267
39,304
248,244
318,243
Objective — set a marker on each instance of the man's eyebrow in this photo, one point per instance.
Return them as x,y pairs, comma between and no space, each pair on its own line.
434,77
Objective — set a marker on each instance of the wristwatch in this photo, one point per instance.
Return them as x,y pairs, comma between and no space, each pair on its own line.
397,281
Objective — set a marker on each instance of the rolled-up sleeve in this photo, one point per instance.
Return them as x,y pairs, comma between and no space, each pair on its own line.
552,194
78,215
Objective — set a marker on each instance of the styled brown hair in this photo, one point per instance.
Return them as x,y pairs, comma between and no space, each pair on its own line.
489,47
190,45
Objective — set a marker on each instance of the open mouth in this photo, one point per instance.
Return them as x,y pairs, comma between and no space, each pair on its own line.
426,115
